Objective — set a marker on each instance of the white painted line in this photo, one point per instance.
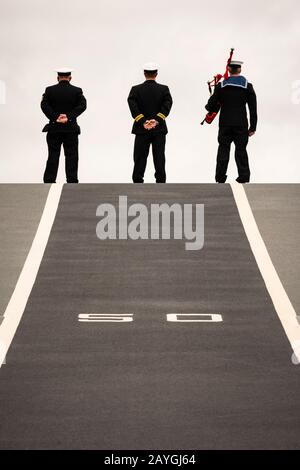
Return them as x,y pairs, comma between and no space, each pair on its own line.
105,317
19,298
279,297
202,317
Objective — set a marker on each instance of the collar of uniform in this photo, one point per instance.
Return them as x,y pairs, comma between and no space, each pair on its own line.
64,81
150,81
235,80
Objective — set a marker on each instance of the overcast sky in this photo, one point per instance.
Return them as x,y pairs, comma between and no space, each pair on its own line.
107,42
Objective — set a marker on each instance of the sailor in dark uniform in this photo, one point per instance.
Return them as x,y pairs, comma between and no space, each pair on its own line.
62,104
149,103
231,97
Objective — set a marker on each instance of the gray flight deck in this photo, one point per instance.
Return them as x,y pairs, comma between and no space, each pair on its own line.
276,208
21,207
151,384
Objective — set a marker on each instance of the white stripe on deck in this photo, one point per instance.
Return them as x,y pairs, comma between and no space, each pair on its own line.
19,298
279,297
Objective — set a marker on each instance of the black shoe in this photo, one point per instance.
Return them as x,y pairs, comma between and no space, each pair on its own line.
221,179
241,180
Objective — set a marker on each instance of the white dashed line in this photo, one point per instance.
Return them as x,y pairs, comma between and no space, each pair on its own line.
105,317
196,317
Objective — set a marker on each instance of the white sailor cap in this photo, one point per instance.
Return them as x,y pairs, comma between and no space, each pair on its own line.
236,63
150,67
64,70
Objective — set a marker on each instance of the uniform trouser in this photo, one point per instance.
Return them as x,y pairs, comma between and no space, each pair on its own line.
240,137
55,140
141,151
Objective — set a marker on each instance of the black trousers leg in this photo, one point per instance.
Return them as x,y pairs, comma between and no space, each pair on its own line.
70,143
158,150
54,141
241,138
225,139
140,155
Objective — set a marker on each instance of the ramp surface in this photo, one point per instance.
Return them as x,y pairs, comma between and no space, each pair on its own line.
276,208
149,384
21,208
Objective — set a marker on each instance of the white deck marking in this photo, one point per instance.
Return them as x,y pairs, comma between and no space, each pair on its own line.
197,317
105,317
19,298
279,297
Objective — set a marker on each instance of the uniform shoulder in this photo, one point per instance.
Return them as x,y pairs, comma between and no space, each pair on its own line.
139,85
76,88
162,86
245,82
51,87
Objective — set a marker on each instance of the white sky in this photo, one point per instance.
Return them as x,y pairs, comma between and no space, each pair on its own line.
107,42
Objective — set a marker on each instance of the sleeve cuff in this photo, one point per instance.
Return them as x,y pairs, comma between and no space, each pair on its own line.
161,117
140,119
54,117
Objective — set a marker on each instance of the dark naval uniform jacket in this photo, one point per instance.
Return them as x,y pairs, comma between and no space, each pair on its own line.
231,97
63,98
150,100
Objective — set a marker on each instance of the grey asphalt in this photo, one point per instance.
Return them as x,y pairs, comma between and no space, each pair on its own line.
149,384
276,208
21,207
